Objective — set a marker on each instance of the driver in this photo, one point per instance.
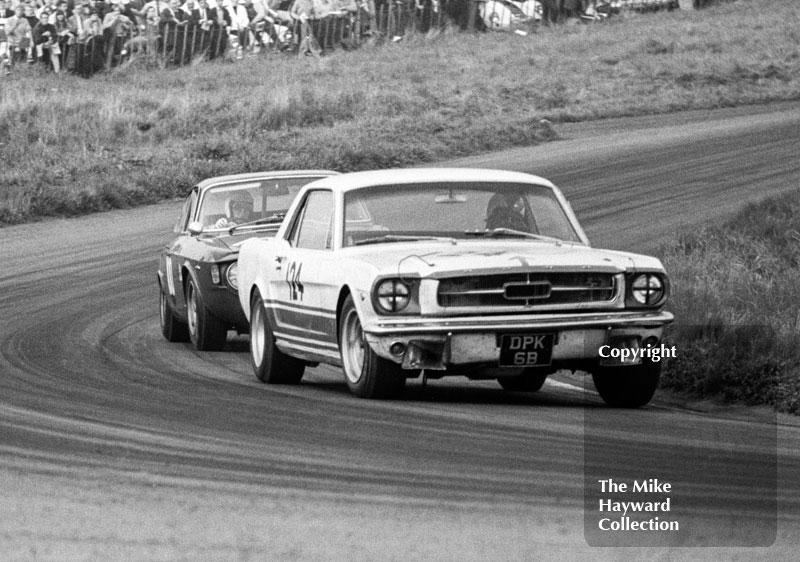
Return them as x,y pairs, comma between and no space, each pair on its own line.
506,210
238,210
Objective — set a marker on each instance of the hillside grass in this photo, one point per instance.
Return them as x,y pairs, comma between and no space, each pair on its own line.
70,145
736,295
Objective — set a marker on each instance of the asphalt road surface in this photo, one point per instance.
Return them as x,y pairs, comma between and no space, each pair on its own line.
117,445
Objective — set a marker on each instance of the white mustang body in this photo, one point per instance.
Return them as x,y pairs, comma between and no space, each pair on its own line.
479,273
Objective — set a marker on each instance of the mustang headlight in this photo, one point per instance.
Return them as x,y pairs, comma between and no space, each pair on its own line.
393,295
231,275
647,289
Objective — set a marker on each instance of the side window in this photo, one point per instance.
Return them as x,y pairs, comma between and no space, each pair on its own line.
313,229
186,212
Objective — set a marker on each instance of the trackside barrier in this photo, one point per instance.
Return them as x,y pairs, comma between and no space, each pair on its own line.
173,43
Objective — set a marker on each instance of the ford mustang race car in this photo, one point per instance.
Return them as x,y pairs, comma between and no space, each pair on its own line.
197,270
479,273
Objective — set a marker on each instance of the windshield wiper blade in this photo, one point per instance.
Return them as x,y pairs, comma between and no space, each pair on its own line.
400,238
272,219
494,232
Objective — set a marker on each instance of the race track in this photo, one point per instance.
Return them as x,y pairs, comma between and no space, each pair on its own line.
117,445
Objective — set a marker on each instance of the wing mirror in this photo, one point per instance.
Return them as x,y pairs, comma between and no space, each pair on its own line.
195,228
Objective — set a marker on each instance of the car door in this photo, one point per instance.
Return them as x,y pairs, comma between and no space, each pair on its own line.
305,321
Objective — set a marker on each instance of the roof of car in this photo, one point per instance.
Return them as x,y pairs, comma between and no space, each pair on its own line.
357,180
252,176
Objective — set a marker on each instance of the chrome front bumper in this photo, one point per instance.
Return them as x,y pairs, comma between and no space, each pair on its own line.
436,343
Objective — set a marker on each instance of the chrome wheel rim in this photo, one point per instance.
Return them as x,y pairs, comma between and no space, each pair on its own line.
257,335
352,347
191,310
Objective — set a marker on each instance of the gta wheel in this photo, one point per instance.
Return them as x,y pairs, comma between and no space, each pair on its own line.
173,329
270,364
206,332
627,387
368,375
526,382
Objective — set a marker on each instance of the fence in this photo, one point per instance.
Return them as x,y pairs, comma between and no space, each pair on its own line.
172,44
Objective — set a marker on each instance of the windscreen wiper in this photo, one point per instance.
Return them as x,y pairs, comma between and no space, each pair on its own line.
272,219
495,232
400,238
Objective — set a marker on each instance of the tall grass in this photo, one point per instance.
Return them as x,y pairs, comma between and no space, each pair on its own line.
70,145
737,300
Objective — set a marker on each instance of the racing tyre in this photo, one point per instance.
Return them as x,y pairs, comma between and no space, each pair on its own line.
206,332
368,375
627,387
173,329
527,382
270,364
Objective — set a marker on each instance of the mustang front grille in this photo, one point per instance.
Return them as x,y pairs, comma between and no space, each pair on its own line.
526,289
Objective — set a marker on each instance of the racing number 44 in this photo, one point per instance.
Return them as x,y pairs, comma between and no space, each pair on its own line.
293,280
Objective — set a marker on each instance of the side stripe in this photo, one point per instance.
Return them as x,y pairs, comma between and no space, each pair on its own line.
309,341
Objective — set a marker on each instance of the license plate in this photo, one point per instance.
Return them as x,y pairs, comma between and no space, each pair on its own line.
526,350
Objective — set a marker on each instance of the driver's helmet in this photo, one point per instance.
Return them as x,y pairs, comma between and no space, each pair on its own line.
505,210
239,205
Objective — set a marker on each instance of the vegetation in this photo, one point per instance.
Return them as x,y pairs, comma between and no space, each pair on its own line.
736,295
70,145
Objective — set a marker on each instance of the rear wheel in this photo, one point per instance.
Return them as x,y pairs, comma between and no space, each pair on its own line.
173,329
206,331
368,375
627,387
270,364
526,382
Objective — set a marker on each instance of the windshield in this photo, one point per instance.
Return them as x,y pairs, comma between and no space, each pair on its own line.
455,210
261,201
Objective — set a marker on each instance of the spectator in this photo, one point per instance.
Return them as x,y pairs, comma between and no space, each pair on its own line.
238,26
85,55
45,40
117,28
171,19
18,34
3,41
208,16
261,23
48,6
192,13
64,36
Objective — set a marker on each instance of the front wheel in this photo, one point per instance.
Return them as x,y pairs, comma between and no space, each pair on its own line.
627,387
270,364
171,328
368,375
206,331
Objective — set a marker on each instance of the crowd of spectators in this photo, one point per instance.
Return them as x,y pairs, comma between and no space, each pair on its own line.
76,34
85,36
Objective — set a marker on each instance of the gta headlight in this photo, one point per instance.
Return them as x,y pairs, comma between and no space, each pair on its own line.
230,275
393,295
647,288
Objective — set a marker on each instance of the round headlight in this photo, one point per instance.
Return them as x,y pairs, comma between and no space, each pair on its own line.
230,275
647,289
393,295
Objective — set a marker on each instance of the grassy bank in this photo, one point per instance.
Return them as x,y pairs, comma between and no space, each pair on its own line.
736,295
70,146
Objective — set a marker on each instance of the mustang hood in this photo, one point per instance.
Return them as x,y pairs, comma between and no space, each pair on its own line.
464,257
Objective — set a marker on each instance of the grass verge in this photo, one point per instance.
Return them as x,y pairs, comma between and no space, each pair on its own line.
71,146
736,295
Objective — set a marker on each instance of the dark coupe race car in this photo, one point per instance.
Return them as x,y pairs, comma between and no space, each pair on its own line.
197,270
